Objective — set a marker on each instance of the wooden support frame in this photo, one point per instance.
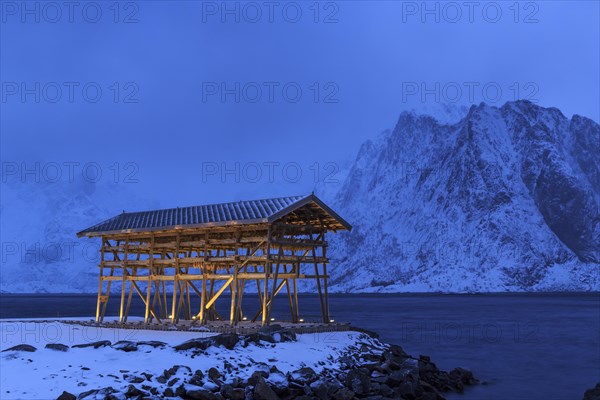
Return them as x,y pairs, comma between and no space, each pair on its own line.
192,263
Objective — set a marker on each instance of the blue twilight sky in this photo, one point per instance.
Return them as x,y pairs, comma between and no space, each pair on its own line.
183,90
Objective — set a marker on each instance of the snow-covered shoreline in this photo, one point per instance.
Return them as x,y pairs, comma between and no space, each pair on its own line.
96,362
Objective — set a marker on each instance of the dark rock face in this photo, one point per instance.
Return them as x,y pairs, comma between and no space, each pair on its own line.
568,208
22,347
57,346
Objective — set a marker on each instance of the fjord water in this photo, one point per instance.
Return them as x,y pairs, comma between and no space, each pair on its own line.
521,346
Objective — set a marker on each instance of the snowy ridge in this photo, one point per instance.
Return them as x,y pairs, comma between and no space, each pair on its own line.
505,199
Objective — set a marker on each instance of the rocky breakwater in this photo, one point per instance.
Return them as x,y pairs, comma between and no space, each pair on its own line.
366,369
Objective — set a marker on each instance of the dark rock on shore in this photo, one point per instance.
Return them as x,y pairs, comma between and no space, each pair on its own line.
229,392
200,344
151,343
368,370
66,396
101,343
22,347
262,391
203,395
125,345
57,346
592,394
359,381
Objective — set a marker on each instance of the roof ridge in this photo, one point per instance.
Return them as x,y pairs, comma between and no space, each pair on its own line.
298,197
241,211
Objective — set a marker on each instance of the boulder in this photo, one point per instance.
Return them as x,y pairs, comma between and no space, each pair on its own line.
66,396
462,375
180,391
229,392
133,378
57,346
262,391
22,347
271,333
344,394
201,344
203,395
151,343
197,378
592,394
395,379
359,380
89,394
104,393
227,340
96,345
256,375
269,329
125,345
323,389
303,375
132,391
214,374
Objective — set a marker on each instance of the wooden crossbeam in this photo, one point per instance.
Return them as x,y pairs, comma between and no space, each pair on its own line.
221,290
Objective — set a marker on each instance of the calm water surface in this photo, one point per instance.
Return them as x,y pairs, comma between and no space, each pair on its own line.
522,346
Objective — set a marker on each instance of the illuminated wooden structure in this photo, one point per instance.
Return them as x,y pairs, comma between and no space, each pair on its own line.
163,256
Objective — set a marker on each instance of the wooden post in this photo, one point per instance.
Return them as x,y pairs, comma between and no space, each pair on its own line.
272,299
326,295
265,320
203,299
175,282
150,276
297,308
124,281
318,278
100,280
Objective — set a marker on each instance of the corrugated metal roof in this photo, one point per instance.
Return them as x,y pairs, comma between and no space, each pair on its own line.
211,214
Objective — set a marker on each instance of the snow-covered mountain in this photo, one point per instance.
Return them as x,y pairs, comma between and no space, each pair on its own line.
40,252
504,199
